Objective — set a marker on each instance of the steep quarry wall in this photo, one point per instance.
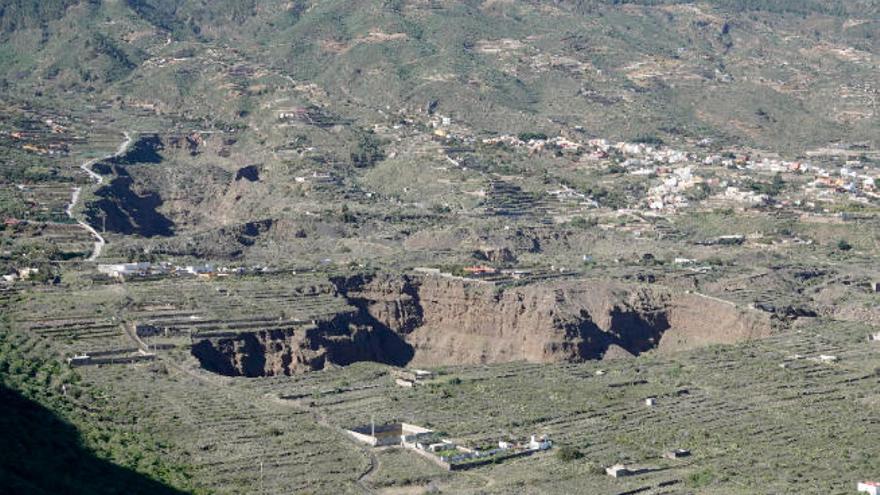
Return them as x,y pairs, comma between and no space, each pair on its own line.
433,320
340,341
452,321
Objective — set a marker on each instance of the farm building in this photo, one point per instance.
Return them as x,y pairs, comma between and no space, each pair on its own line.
539,443
618,471
410,378
677,454
479,270
389,434
869,487
122,269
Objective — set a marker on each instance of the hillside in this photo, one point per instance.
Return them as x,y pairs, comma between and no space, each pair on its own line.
605,232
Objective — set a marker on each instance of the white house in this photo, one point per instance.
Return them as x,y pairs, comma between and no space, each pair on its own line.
869,487
618,471
25,273
119,270
542,443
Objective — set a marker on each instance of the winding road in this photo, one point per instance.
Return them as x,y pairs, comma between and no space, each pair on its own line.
87,167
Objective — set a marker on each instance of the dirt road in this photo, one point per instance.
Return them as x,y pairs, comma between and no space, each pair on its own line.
87,167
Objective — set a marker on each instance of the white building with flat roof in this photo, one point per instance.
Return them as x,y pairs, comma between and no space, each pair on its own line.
869,487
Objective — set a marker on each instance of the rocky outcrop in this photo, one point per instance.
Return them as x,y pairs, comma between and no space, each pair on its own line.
436,320
453,321
340,341
263,353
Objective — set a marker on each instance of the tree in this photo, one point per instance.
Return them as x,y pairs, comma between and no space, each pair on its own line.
367,152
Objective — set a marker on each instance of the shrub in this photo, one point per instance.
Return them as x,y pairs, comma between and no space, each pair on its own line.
701,478
583,222
649,139
528,136
843,245
568,453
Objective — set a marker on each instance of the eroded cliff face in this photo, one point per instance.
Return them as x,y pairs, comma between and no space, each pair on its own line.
433,320
340,341
453,321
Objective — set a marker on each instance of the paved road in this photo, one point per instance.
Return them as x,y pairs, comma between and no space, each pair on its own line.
87,167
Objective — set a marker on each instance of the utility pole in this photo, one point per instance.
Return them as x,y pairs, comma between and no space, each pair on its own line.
262,455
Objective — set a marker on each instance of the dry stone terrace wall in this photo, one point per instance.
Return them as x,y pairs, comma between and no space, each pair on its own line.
432,320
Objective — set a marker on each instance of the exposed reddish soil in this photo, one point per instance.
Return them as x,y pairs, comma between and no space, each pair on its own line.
434,320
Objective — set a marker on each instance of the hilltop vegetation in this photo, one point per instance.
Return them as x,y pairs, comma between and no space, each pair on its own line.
644,67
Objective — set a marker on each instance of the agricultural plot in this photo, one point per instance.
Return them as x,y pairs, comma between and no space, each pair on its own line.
48,241
597,176
747,419
757,416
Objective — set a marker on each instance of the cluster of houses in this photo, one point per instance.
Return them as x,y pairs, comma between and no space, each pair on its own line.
452,454
669,194
675,169
121,271
678,171
55,146
444,452
117,356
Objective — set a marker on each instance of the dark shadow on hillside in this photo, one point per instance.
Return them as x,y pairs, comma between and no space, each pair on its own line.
118,207
144,150
123,211
370,340
42,454
638,332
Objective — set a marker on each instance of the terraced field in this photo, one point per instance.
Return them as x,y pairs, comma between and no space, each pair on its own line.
759,417
746,418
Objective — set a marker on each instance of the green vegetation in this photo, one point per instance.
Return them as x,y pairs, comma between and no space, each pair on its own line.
368,150
701,479
315,142
772,188
93,446
530,136
568,453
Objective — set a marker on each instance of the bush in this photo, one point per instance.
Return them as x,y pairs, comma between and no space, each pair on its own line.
649,139
701,478
843,245
583,222
568,453
528,136
368,150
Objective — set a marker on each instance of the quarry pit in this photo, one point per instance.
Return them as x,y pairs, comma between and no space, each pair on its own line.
414,320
